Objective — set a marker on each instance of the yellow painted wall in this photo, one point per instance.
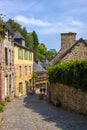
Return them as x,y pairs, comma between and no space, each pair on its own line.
22,62
19,61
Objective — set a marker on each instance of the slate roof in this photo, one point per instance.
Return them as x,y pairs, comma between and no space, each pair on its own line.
61,54
17,35
38,68
45,64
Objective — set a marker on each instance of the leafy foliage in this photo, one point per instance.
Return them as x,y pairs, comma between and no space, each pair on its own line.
16,27
2,105
41,54
51,54
73,73
35,39
1,108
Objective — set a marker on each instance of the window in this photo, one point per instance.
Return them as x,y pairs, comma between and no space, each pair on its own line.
10,56
6,56
20,53
30,56
20,71
6,85
29,69
25,55
20,87
25,70
9,84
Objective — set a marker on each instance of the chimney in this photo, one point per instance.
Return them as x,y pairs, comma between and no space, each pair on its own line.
67,40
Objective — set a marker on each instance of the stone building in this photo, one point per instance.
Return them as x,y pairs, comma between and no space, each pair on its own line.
23,62
41,81
61,94
7,62
71,49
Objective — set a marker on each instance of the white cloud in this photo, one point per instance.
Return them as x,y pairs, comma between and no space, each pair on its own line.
78,23
32,21
70,25
74,22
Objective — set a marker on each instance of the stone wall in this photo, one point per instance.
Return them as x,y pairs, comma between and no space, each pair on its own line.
69,97
7,71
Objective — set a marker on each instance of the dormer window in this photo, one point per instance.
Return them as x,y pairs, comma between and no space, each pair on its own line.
19,38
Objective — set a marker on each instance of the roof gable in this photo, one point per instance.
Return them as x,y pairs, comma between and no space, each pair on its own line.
38,68
80,40
61,54
17,35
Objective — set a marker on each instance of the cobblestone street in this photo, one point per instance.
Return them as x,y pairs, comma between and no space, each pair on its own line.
30,113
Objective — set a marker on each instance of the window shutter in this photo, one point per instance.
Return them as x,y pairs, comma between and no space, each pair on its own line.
18,53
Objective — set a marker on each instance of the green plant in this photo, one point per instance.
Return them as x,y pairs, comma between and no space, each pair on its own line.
3,103
73,73
1,108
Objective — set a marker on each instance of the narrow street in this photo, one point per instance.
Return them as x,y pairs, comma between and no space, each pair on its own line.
30,113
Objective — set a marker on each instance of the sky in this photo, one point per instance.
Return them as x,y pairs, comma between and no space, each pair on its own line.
49,18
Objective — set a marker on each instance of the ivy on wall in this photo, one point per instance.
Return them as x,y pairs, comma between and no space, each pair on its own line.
73,73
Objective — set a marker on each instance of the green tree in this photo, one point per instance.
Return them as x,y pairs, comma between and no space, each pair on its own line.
25,35
16,27
30,40
41,52
35,39
51,54
35,44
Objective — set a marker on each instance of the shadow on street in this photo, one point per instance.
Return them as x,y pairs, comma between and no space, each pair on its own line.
62,118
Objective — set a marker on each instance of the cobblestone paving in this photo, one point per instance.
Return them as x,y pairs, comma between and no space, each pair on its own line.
30,113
